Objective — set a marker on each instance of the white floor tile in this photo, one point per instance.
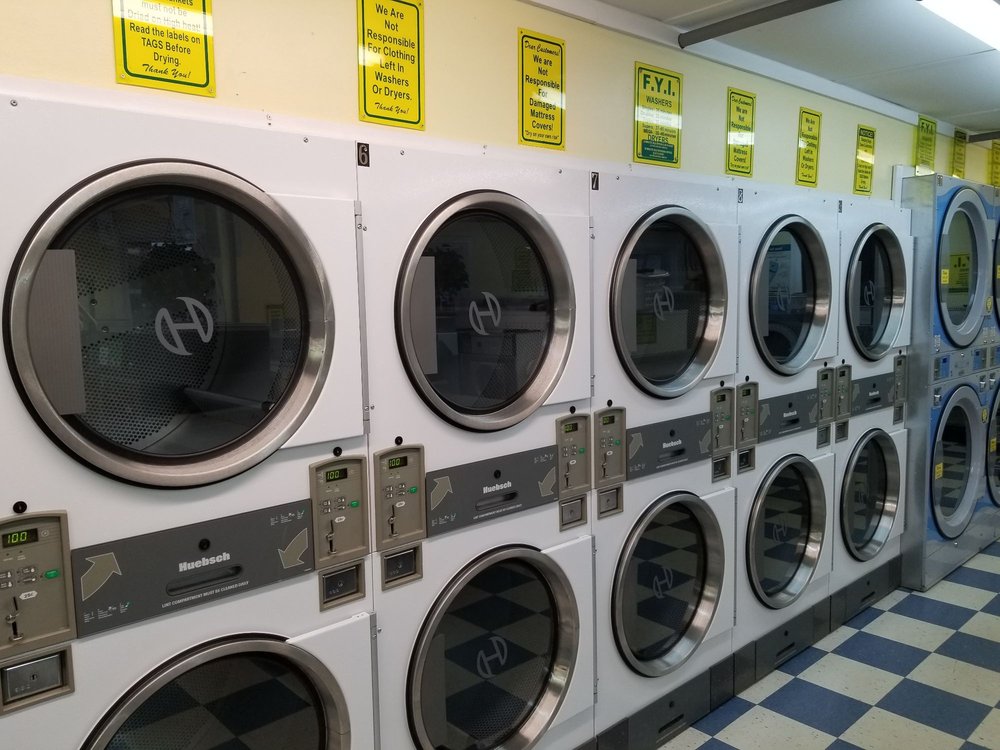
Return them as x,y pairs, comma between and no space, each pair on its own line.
838,636
891,599
960,595
762,729
989,563
851,678
689,739
988,733
763,688
960,678
916,633
983,625
883,729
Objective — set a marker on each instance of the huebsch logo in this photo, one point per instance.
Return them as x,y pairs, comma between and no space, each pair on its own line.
789,414
487,489
663,582
485,662
869,293
663,302
203,562
478,316
673,444
168,328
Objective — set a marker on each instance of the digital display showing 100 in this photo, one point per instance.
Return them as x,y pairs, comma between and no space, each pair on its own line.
398,462
24,536
335,475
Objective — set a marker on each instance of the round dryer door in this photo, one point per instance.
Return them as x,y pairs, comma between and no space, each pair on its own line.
785,531
790,295
495,656
667,584
169,324
957,466
253,693
870,495
964,265
668,301
876,291
485,311
992,454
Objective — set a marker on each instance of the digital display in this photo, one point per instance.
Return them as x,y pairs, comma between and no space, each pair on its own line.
399,462
16,538
335,475
571,427
608,419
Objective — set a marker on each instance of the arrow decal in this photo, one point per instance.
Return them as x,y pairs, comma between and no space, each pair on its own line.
102,567
442,488
292,554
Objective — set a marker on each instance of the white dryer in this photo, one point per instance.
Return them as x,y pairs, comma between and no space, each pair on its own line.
181,310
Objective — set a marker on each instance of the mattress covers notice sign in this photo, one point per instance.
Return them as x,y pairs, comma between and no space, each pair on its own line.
864,160
657,131
959,142
926,146
165,44
995,164
742,107
807,151
391,62
541,71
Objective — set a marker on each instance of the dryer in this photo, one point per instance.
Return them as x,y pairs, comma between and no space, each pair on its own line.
265,668
181,318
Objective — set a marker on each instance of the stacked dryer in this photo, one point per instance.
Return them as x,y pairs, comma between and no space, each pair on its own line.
665,286
951,376
477,279
993,433
876,255
789,399
181,329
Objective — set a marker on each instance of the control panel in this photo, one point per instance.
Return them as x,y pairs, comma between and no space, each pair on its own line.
609,447
747,426
400,503
338,489
723,432
843,393
825,395
899,389
572,446
36,597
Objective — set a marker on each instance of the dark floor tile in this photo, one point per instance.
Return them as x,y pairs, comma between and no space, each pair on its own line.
930,610
802,661
716,744
942,710
723,716
816,706
980,579
843,745
993,607
973,650
876,651
865,617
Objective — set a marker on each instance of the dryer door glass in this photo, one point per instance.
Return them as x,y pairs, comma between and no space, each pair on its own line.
484,311
958,261
785,532
246,698
668,302
870,495
963,267
667,584
958,462
993,454
171,334
491,663
876,292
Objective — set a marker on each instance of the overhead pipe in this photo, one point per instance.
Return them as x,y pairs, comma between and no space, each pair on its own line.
988,136
747,20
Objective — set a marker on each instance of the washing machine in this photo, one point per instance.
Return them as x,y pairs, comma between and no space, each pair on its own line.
160,661
784,553
787,374
181,316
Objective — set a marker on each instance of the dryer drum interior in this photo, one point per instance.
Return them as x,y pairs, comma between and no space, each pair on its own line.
495,656
958,462
169,323
870,495
667,584
963,264
790,290
876,291
992,454
668,301
485,311
785,531
255,693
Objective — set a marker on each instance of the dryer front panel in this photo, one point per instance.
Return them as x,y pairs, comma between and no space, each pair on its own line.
957,465
169,324
963,267
667,584
668,302
495,656
256,693
870,495
992,454
876,291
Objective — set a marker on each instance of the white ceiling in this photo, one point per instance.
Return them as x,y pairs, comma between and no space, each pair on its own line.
892,49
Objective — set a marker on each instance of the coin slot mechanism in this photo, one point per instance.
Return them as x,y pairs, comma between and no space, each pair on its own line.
573,453
722,410
400,497
825,398
747,415
338,489
609,447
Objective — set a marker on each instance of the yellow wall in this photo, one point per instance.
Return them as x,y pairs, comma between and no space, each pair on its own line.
300,58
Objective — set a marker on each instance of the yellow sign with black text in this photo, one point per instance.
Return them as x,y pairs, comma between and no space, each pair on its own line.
864,160
165,44
391,62
926,148
807,153
740,131
541,72
958,154
995,164
657,128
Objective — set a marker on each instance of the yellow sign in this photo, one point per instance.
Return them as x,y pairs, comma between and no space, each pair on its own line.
391,62
165,44
657,129
945,276
995,164
939,471
958,154
926,143
807,157
864,160
742,107
541,71
993,445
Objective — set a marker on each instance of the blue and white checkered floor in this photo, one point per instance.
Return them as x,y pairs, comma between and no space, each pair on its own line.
915,671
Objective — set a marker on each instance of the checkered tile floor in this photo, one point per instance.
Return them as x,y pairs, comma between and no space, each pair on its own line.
915,671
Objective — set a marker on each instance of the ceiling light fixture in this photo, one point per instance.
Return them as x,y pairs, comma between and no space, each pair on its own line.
980,18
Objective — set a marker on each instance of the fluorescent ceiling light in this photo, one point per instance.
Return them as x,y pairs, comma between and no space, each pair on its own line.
980,18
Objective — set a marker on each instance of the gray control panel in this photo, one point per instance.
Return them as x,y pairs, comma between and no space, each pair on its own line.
747,417
572,444
825,393
723,432
36,599
338,489
899,389
609,447
400,504
843,391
